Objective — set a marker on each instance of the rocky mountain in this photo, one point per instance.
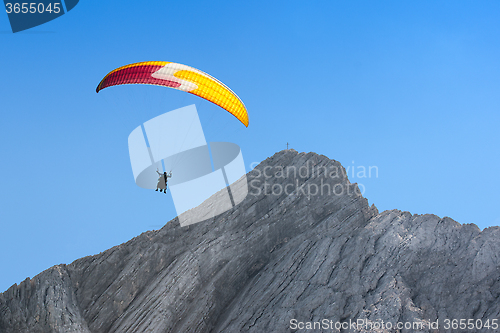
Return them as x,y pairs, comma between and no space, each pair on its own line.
303,253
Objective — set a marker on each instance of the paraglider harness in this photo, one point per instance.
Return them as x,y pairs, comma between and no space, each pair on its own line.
165,179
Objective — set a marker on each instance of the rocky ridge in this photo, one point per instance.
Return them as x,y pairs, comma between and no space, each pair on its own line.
288,255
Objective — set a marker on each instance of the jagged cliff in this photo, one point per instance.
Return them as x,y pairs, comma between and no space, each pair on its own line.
303,247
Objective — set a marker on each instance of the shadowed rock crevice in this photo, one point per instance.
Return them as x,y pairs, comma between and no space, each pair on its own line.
277,256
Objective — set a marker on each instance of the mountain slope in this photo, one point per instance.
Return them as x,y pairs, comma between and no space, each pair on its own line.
304,245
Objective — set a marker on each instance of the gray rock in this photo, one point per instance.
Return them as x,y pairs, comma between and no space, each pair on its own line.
317,252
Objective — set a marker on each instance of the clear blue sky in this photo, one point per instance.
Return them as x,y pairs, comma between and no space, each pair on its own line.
411,87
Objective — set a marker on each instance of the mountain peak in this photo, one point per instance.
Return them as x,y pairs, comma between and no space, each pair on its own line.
303,246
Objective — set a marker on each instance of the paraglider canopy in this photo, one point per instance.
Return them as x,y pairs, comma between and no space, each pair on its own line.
180,77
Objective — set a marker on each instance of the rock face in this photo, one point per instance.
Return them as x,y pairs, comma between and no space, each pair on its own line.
304,249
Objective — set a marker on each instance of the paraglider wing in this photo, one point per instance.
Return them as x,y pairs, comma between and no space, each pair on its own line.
180,77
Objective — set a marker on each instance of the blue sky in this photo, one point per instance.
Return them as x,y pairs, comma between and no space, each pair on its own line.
411,88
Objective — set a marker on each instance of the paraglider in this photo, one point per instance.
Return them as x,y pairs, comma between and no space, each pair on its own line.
162,181
180,77
175,141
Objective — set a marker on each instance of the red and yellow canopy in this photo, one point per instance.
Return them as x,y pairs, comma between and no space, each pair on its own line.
180,77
